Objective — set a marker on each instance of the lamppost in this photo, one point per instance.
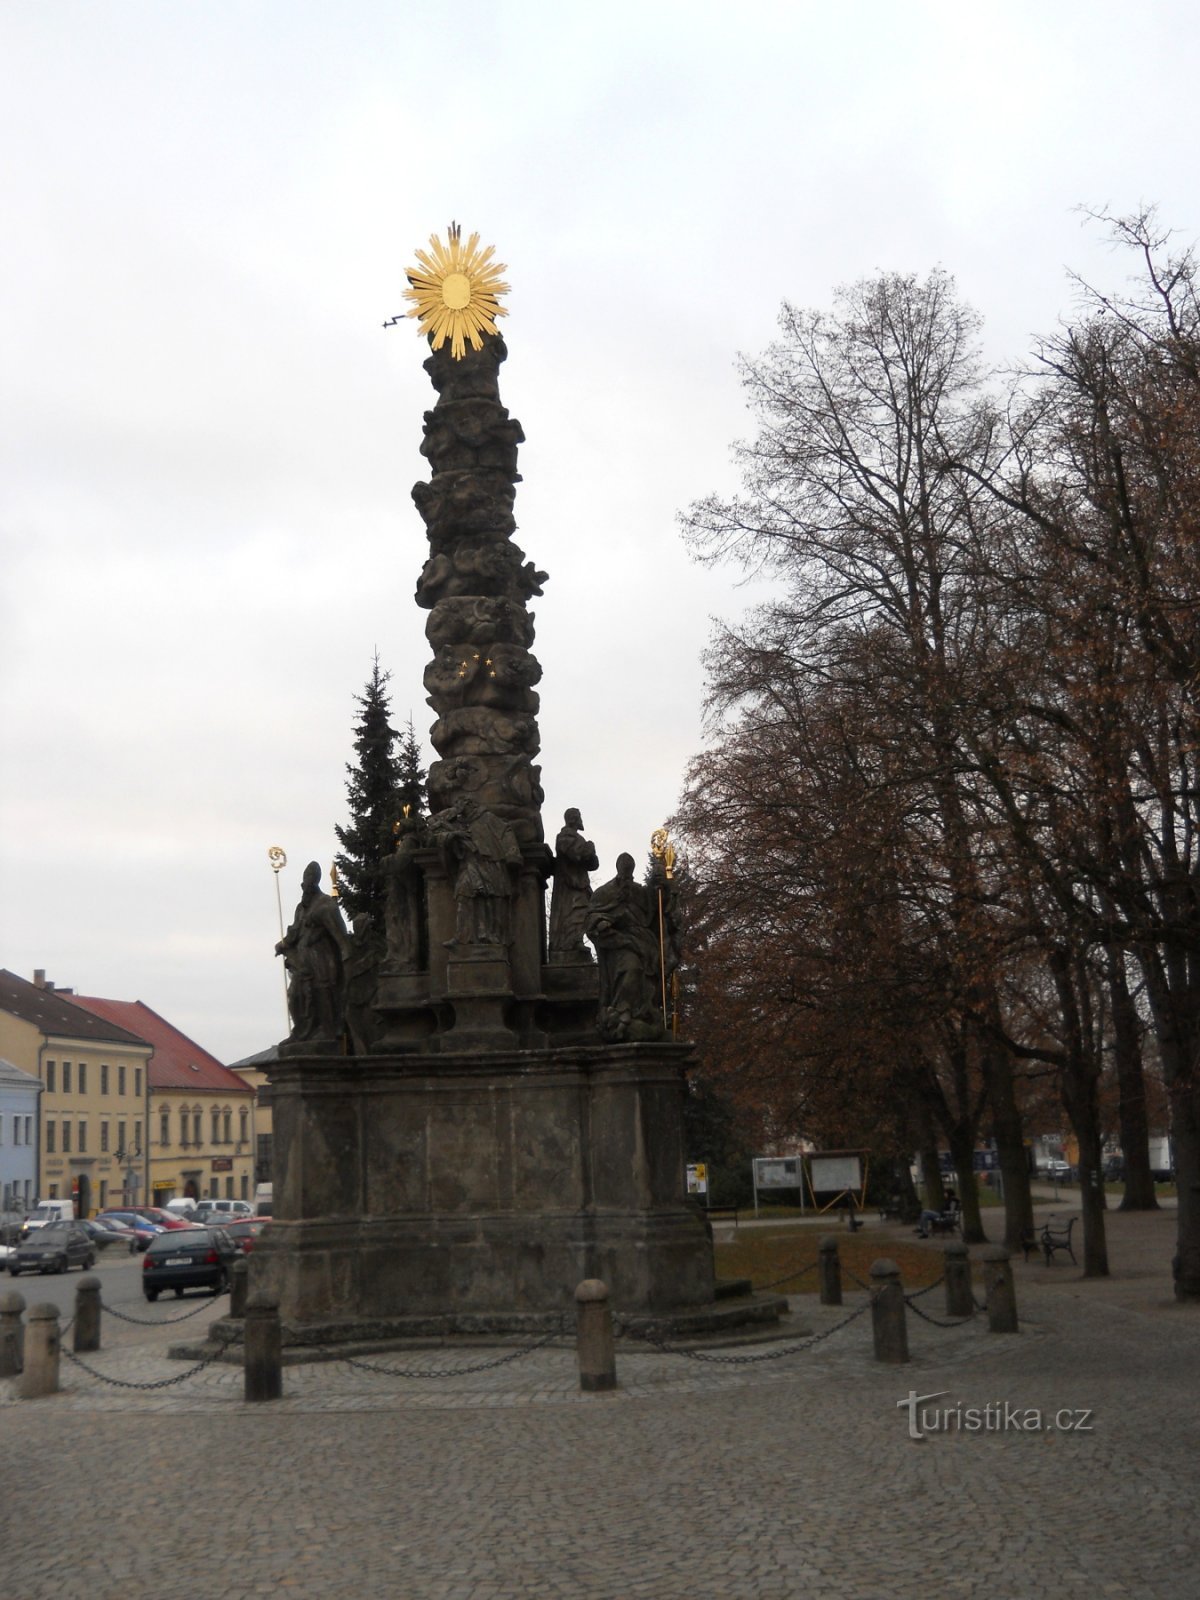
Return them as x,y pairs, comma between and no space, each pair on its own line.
128,1159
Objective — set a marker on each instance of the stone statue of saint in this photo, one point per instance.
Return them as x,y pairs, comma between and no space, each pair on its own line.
362,981
403,906
574,858
315,950
621,921
481,851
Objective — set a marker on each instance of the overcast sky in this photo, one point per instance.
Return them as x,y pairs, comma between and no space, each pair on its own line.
207,440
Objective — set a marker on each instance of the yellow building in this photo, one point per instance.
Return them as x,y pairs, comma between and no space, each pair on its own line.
254,1070
93,1110
201,1115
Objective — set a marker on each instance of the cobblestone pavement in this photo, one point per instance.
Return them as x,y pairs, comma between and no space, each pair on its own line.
777,1478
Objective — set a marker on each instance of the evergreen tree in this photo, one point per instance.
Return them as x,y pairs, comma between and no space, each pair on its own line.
410,774
372,791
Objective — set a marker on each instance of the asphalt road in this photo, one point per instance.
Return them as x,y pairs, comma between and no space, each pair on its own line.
120,1277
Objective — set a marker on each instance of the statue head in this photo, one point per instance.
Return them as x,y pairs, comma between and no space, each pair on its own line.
625,865
573,819
312,875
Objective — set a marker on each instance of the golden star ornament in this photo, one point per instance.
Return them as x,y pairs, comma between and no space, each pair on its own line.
456,290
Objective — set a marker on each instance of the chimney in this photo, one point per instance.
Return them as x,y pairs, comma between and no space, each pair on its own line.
39,978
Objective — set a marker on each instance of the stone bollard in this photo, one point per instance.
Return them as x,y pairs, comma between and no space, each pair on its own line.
999,1289
87,1314
12,1333
263,1348
887,1313
959,1300
829,1270
42,1344
239,1276
594,1336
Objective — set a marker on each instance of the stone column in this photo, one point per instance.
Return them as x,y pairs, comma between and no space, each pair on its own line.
594,1336
263,1348
959,1300
887,1313
12,1333
998,1286
87,1314
42,1345
829,1270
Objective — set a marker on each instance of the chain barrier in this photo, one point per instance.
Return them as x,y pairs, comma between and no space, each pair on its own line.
455,1372
662,1345
156,1322
155,1383
761,1288
854,1278
928,1289
936,1322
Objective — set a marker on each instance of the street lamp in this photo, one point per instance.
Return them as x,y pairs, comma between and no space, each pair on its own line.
128,1159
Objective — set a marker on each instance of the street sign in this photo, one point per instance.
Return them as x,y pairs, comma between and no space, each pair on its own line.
697,1178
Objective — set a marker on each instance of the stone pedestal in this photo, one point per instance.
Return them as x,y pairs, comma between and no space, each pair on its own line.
476,1190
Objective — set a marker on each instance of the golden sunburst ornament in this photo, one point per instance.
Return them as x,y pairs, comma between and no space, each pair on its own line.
456,290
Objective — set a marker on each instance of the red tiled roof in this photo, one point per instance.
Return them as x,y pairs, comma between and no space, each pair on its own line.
178,1062
55,1015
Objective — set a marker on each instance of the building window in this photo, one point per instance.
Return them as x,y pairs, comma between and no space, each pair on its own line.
103,1078
66,1077
137,1082
121,1140
50,1127
83,1077
53,1195
245,1187
28,1130
229,1188
50,1076
227,1125
66,1133
137,1136
121,1080
164,1128
103,1193
82,1137
196,1135
243,1127
216,1126
183,1126
104,1138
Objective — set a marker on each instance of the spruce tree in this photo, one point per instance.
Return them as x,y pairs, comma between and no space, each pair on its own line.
410,774
371,789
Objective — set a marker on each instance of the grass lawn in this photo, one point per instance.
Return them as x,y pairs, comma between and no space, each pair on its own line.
765,1258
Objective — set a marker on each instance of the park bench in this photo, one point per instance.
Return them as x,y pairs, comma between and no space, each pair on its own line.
722,1214
949,1220
1053,1235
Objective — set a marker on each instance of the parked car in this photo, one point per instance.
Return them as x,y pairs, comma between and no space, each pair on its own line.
57,1247
163,1218
245,1231
143,1229
195,1258
118,1232
103,1238
223,1210
1058,1170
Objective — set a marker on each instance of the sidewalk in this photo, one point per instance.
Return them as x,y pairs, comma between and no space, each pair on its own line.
782,1478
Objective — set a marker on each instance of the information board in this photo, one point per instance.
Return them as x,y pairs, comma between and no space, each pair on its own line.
697,1178
778,1172
834,1174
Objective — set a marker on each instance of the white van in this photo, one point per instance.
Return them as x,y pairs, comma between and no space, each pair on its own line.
182,1207
48,1211
263,1199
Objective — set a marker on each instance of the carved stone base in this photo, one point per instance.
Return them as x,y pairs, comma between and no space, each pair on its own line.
465,1184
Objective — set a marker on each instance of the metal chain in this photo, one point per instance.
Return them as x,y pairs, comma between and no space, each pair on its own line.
454,1372
934,1321
761,1288
929,1287
661,1344
854,1278
157,1322
157,1383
